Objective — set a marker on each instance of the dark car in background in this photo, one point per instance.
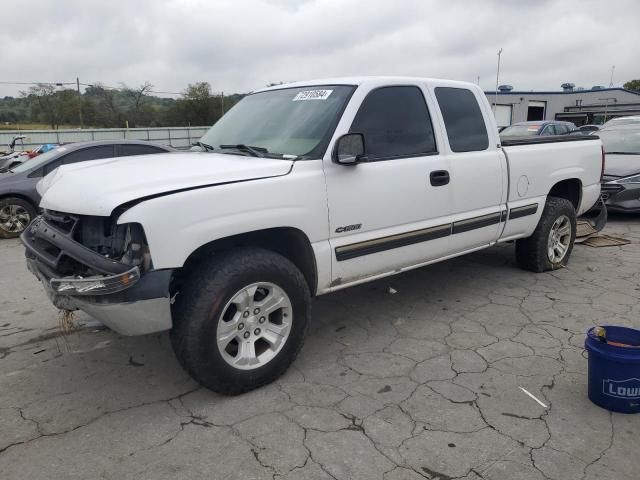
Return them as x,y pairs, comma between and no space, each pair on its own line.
589,129
537,128
621,181
18,196
585,130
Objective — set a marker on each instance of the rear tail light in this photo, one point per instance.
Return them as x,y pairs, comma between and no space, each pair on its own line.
602,168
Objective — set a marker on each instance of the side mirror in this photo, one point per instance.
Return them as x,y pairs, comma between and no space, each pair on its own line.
349,149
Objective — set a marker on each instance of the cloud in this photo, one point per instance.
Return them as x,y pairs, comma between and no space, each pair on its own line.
240,45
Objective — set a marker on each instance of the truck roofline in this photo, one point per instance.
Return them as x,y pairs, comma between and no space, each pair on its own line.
367,80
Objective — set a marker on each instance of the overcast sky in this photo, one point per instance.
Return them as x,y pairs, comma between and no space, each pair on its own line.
240,45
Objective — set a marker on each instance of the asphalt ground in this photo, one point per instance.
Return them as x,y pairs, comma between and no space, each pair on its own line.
421,383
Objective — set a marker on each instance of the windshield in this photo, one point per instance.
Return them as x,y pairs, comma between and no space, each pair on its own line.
624,140
520,131
38,161
290,121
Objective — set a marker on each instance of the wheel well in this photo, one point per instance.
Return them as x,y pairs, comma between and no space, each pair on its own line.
289,242
570,189
21,197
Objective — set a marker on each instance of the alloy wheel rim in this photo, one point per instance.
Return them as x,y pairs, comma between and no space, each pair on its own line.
559,239
254,325
14,218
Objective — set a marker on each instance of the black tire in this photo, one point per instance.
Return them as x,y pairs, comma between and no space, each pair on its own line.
199,306
532,253
24,204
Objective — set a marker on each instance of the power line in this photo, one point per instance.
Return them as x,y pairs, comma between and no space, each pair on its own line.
37,83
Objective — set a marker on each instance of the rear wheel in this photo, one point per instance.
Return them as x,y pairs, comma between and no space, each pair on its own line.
15,215
550,245
240,319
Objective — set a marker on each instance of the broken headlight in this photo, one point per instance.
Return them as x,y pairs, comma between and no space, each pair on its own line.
125,243
98,285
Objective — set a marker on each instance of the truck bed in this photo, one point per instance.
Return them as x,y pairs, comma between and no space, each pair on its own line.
536,164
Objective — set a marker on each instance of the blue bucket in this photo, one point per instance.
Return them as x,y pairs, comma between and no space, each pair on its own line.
614,371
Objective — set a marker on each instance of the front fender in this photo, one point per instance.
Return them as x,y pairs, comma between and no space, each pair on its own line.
178,224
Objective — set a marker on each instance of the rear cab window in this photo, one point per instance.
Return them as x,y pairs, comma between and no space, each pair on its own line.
463,120
396,123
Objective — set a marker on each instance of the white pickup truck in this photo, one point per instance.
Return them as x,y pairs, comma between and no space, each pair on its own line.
300,190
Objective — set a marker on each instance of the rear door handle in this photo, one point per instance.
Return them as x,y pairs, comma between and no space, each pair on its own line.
439,178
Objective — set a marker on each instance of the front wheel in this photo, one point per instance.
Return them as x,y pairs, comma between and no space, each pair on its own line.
240,319
550,245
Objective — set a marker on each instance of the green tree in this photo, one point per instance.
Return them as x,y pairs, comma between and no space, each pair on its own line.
107,107
139,112
200,104
633,85
104,108
52,106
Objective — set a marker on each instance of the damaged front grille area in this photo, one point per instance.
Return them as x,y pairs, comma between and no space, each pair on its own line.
62,221
610,189
84,255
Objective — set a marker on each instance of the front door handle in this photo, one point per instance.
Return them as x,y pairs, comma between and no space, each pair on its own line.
439,178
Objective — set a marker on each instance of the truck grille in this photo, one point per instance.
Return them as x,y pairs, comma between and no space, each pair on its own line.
62,221
49,240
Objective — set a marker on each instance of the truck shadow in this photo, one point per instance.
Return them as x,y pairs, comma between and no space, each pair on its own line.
63,382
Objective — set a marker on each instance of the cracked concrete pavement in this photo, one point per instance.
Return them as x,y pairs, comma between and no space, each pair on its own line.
419,384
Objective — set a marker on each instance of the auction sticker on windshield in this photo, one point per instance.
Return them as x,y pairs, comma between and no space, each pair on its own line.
312,95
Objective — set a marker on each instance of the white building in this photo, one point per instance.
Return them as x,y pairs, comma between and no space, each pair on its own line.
579,106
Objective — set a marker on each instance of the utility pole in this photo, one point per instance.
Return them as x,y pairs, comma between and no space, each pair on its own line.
613,67
606,105
221,103
79,102
497,77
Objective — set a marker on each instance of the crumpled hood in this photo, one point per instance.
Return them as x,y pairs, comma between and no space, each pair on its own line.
99,186
621,165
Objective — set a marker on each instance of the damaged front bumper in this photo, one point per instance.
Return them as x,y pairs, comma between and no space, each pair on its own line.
622,197
116,294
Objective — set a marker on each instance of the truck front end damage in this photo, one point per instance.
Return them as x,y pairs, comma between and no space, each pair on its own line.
93,264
